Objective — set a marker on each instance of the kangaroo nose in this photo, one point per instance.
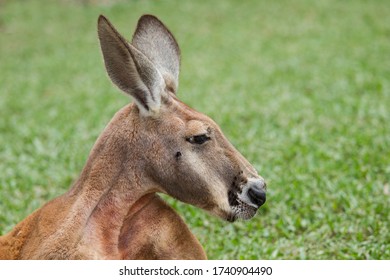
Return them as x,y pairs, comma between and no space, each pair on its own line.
256,192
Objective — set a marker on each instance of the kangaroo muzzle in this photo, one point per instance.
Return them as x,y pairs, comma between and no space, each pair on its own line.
256,191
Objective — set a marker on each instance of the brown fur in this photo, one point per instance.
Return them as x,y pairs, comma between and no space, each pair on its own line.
112,211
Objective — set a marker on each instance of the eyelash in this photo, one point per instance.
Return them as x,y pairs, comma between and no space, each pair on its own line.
198,139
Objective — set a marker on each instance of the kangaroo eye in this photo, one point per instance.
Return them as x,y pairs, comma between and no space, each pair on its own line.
198,139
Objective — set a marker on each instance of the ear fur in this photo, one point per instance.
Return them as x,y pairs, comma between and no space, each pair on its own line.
130,70
154,40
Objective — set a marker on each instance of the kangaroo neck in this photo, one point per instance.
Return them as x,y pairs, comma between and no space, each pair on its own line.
109,187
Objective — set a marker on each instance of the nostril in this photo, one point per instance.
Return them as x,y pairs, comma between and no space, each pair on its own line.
257,196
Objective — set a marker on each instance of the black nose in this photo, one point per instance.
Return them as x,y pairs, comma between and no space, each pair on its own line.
257,195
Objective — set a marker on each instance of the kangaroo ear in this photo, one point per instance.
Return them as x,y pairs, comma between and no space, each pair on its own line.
130,70
154,40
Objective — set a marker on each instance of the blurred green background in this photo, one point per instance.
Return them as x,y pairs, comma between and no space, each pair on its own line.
301,88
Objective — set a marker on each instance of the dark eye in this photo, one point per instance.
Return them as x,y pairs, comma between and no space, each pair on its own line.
198,139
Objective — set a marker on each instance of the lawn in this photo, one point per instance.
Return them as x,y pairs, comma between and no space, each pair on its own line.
301,88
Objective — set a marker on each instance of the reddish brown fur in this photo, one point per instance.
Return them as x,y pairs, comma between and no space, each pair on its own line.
106,219
112,211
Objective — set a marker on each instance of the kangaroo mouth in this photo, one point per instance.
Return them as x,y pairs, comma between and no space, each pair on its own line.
239,208
246,198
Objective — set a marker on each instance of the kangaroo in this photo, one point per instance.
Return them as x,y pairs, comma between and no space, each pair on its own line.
157,144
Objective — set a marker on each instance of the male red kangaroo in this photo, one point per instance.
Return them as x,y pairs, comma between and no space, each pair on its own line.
156,144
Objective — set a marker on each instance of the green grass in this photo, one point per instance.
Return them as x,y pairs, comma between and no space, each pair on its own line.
302,89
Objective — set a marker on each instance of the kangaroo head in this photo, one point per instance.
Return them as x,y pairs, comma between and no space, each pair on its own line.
184,152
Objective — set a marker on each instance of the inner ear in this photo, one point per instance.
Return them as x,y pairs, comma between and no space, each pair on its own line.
158,44
130,70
